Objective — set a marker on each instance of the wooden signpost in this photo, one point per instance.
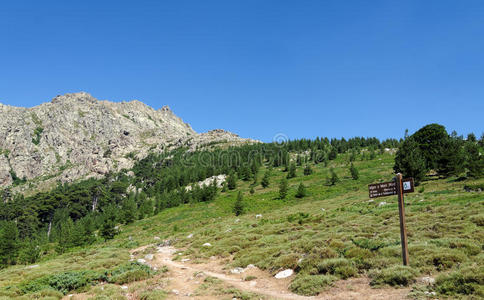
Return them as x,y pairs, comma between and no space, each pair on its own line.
398,187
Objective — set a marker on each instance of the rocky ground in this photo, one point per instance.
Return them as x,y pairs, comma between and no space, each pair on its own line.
188,280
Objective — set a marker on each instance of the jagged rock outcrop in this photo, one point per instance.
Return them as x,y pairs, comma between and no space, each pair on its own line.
76,136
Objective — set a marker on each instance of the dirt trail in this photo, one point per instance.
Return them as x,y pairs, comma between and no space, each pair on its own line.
184,280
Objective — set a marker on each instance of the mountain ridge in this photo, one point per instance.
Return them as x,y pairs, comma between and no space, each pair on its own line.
78,136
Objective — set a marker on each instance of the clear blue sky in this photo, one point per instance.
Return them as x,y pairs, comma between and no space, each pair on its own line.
257,67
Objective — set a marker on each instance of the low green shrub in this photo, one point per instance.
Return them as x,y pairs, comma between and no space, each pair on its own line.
310,285
62,282
130,272
153,295
358,253
37,135
394,276
213,280
444,260
478,219
468,246
467,281
370,244
130,276
474,187
310,262
340,267
47,295
338,245
287,261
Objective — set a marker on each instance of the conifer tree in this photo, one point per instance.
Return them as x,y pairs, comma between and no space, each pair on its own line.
146,208
212,190
265,180
8,243
372,154
333,179
65,237
301,191
352,156
474,161
239,204
333,153
129,211
292,171
354,172
308,170
410,162
255,177
451,160
254,168
245,173
79,235
29,251
108,227
232,181
283,188
89,227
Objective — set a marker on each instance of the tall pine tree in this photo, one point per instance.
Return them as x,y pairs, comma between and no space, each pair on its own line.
354,172
239,204
283,188
8,243
232,181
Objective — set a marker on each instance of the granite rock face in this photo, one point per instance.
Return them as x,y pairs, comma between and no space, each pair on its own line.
77,136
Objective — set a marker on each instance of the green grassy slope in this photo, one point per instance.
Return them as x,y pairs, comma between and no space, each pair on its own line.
351,237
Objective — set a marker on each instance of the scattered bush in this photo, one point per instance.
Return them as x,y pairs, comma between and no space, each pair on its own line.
444,260
239,205
474,187
466,281
47,295
287,261
340,267
468,246
301,191
37,135
310,285
213,280
394,276
130,272
358,253
370,244
299,217
153,295
62,282
478,219
310,263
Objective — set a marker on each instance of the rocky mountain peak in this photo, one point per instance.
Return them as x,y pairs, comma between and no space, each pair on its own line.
166,108
77,136
74,97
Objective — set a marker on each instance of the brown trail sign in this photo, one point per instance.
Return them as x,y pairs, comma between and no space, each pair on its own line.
390,188
398,187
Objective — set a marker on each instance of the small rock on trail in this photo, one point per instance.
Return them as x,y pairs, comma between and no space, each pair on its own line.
284,274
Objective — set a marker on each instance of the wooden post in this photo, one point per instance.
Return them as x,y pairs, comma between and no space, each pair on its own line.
401,210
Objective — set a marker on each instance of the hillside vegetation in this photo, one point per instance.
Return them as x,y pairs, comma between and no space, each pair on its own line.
302,206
